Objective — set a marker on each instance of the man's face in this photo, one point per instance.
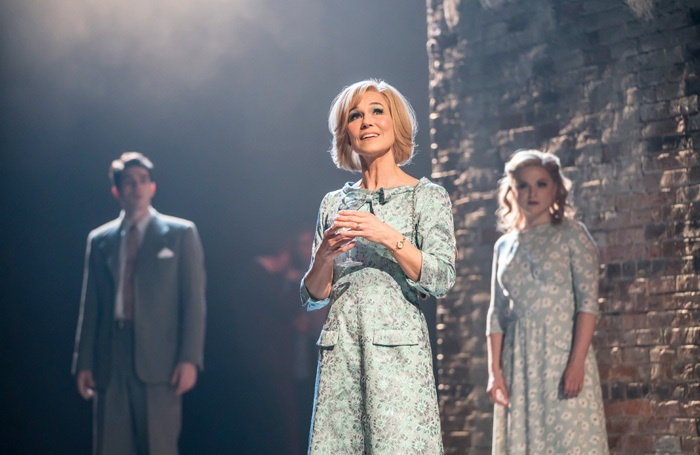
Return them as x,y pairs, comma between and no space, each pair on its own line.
136,189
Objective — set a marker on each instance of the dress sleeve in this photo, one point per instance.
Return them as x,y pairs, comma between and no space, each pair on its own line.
321,225
584,269
436,240
499,302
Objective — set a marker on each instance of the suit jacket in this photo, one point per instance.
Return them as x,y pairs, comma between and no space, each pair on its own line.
169,300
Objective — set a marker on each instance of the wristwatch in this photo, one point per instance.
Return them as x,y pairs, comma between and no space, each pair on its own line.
399,245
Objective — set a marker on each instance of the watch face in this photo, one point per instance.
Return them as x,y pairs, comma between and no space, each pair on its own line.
399,244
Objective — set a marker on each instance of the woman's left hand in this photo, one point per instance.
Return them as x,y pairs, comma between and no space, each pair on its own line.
572,382
367,226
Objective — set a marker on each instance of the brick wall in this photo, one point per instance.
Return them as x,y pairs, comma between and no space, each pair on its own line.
612,88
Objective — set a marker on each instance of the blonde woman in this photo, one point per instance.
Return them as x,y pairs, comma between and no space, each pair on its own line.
543,376
380,242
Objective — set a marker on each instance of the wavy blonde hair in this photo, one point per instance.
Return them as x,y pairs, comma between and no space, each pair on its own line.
402,115
509,216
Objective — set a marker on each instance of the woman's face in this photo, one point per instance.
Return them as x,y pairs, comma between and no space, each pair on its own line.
370,126
535,192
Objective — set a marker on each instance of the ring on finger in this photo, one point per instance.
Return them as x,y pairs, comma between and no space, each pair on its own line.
357,227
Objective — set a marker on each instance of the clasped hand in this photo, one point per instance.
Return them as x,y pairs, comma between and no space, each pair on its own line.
348,225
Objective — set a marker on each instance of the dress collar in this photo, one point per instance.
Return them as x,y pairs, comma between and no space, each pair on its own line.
353,195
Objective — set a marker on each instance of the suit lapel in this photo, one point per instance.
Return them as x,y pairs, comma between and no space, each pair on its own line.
110,249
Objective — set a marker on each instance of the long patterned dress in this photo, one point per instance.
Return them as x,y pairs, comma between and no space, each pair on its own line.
375,391
542,278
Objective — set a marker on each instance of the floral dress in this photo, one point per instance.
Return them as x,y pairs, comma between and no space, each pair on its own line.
375,391
542,278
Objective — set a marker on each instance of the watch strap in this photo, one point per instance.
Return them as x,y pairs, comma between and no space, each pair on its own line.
399,245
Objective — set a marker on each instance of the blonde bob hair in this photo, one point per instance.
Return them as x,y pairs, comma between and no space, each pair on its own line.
402,115
509,215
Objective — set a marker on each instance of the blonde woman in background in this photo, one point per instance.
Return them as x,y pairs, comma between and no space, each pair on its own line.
543,376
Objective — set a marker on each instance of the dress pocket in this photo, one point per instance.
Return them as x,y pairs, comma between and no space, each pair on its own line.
328,339
384,337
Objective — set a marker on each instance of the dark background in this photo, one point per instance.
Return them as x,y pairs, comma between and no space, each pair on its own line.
230,101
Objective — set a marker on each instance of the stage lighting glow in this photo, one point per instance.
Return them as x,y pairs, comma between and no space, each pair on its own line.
182,41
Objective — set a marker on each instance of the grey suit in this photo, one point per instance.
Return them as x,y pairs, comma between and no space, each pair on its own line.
169,308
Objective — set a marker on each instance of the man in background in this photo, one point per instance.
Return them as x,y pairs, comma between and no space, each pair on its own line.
140,336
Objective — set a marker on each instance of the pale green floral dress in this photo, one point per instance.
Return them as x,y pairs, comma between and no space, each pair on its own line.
375,392
541,279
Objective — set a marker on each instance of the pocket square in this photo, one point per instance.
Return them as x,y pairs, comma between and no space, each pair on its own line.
165,253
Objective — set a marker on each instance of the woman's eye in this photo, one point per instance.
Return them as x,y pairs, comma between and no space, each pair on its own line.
354,116
378,111
521,186
542,184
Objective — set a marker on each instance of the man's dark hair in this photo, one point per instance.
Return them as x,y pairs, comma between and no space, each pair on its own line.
128,159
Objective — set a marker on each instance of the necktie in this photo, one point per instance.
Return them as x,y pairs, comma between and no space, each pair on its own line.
132,249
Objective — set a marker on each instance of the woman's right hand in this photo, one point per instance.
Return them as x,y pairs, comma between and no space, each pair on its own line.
496,389
319,279
332,245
